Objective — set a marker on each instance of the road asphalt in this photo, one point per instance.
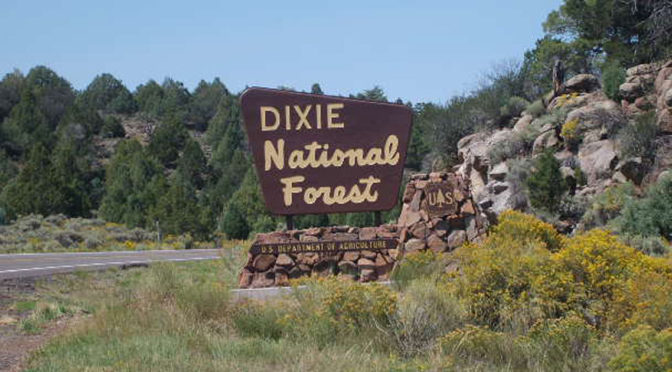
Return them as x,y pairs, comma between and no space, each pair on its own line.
26,265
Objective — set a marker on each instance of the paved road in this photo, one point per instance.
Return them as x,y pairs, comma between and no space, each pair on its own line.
39,264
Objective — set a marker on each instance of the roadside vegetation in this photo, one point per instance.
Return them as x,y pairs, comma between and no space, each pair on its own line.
526,298
57,233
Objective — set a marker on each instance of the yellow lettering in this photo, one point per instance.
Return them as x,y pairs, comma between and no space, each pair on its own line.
266,109
274,154
332,115
288,123
289,189
303,116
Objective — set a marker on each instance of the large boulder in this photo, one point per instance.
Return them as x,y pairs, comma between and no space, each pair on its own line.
582,83
545,140
523,123
643,69
632,169
596,119
499,171
598,159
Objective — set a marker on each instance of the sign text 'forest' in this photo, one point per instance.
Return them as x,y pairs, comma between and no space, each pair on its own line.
324,154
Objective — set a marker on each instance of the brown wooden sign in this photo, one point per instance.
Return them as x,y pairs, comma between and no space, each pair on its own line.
324,246
440,199
323,154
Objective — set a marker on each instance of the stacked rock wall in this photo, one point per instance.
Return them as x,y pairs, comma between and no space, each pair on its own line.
423,228
268,270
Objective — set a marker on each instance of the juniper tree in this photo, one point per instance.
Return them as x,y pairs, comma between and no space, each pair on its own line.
546,184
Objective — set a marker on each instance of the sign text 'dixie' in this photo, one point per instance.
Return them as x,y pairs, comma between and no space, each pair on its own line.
324,246
323,154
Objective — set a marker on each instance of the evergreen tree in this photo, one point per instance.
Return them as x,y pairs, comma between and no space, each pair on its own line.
134,182
29,191
109,95
316,89
546,184
112,128
311,220
374,94
26,125
205,102
176,99
417,148
177,211
246,210
7,169
69,175
53,94
10,92
167,141
149,97
192,164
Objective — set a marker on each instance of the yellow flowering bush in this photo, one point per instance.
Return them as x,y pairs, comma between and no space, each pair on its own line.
567,99
524,271
331,305
570,132
130,245
526,229
480,344
644,349
417,265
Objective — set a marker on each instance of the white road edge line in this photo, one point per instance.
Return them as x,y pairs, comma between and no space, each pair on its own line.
114,263
102,253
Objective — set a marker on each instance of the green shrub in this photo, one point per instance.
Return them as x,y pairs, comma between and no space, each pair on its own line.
638,138
418,265
329,309
546,184
112,128
651,245
426,311
563,342
257,320
478,345
613,75
644,349
514,107
651,215
607,205
536,108
515,146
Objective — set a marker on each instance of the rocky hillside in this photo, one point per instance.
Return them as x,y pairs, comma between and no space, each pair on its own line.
598,142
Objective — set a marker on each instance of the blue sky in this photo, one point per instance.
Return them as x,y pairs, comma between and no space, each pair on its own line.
415,50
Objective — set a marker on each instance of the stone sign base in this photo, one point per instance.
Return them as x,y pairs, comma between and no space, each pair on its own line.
438,214
275,268
440,223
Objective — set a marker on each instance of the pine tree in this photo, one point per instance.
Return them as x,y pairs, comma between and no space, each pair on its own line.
31,191
134,182
246,210
205,102
316,89
546,184
109,95
192,164
168,141
177,211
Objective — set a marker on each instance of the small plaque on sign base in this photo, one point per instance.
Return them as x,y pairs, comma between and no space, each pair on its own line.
332,246
440,200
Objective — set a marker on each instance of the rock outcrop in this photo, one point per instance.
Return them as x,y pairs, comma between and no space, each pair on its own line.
581,127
